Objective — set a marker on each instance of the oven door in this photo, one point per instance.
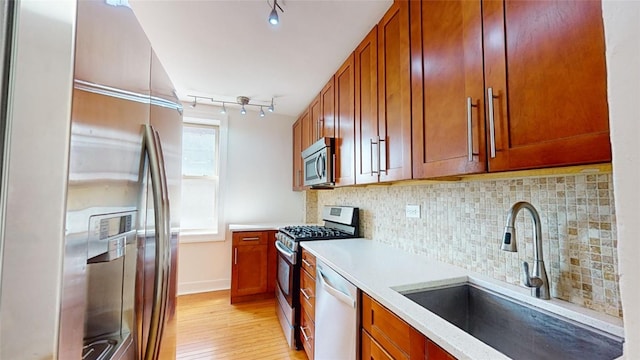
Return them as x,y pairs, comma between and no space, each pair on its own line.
286,272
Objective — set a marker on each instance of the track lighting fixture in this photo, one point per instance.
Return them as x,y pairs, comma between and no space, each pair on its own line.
273,16
243,101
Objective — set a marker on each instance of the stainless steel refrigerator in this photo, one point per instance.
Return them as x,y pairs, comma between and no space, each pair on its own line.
90,194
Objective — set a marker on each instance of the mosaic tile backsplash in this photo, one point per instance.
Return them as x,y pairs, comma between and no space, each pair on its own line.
462,223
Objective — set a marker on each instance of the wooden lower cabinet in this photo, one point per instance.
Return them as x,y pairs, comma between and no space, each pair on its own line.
308,302
253,265
385,336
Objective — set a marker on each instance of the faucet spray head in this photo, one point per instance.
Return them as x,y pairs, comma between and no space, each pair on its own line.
509,239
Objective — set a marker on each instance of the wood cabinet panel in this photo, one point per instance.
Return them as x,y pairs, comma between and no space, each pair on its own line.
305,120
545,63
386,336
366,110
345,123
447,44
309,263
307,333
314,118
390,331
249,271
394,92
327,109
272,261
371,350
253,268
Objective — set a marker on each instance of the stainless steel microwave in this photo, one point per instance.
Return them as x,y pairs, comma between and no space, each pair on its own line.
318,163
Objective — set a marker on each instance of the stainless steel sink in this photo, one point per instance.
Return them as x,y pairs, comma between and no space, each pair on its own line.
516,329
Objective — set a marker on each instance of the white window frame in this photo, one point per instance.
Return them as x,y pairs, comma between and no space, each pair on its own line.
208,120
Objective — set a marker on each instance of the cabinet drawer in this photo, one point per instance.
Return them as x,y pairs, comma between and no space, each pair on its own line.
372,350
308,294
391,332
307,334
250,238
309,263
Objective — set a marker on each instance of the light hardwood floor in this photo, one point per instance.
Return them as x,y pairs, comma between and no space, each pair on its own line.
211,328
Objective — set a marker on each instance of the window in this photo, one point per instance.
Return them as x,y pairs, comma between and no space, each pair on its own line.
200,177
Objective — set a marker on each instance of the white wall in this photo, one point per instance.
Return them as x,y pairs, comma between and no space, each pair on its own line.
257,189
622,27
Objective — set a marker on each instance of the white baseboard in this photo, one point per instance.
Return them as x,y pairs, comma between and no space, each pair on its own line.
195,287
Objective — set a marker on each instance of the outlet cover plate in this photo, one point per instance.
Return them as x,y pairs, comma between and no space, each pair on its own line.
413,211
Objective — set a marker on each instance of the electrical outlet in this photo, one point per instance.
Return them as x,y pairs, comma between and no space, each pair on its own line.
413,211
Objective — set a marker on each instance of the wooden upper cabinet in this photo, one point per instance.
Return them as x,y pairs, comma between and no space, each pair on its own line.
328,109
314,118
345,121
305,121
111,47
447,88
394,93
534,97
367,144
545,63
297,156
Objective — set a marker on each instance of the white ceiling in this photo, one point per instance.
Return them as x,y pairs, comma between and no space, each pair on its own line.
224,49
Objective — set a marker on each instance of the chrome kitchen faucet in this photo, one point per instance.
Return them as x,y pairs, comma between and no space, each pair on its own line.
537,280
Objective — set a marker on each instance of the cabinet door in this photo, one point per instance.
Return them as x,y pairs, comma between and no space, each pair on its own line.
305,120
345,135
545,64
249,272
367,145
327,108
314,118
272,261
394,91
447,88
297,155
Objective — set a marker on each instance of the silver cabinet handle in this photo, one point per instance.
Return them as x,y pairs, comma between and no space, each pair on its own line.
321,131
304,333
470,128
235,256
492,126
306,263
304,293
371,142
299,178
380,141
333,164
250,238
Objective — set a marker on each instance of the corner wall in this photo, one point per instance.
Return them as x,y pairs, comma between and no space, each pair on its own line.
257,189
623,66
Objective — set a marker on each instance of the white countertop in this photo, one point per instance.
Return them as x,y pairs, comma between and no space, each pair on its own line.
378,269
260,226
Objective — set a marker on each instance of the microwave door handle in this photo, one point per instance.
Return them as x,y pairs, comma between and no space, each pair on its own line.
318,158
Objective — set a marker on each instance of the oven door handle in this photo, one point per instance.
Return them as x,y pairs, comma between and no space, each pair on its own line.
288,254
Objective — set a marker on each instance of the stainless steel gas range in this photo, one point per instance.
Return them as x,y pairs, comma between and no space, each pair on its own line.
340,222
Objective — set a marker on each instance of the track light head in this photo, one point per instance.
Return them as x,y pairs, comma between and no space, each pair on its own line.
195,102
270,108
273,16
261,112
243,110
224,109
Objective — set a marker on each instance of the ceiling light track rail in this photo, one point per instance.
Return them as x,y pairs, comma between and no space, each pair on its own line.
240,100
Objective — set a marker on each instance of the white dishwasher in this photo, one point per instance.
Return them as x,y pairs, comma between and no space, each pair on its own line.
336,315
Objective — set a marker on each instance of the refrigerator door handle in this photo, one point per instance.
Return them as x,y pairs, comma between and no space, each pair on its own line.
153,150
